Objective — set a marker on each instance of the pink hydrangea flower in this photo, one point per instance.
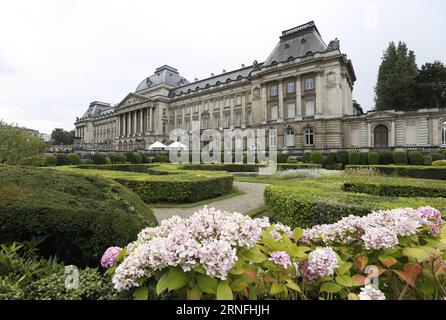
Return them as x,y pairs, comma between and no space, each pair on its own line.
110,256
323,261
432,218
281,258
306,272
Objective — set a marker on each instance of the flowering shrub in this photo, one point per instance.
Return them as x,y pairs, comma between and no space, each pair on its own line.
309,173
223,255
363,171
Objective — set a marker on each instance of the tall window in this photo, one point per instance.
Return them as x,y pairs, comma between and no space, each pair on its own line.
309,108
196,108
274,90
249,97
291,87
206,106
249,117
205,122
227,120
444,132
238,100
273,138
239,119
309,137
216,122
227,102
274,111
291,110
289,138
217,104
309,84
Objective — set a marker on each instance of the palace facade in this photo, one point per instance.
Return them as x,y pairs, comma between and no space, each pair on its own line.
301,94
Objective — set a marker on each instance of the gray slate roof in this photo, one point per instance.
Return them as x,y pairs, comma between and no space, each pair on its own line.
297,42
163,75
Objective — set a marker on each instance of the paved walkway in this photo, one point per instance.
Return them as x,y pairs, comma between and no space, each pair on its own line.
252,199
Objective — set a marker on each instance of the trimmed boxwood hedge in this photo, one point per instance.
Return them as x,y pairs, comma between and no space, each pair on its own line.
415,158
400,158
396,190
79,216
420,172
354,157
319,201
150,183
316,157
386,157
373,158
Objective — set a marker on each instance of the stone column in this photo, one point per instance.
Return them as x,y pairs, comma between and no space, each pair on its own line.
280,106
220,122
244,111
369,135
392,134
318,79
298,99
129,124
200,110
232,120
135,122
141,121
263,103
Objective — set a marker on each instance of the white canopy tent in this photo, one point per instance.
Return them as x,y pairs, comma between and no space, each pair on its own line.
157,146
177,146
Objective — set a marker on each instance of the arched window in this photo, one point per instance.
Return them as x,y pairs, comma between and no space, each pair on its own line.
444,132
309,137
289,138
381,135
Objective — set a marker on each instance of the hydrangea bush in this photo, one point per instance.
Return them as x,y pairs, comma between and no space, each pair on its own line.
222,255
309,173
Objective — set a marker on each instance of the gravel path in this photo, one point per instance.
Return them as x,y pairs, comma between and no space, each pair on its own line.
252,199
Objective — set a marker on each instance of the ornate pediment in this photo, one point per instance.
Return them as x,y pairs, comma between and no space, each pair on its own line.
132,99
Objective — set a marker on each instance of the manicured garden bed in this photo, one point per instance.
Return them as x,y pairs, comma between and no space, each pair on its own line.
77,215
308,202
233,167
420,172
164,183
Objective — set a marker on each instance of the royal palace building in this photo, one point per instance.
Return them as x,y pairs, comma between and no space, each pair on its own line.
301,95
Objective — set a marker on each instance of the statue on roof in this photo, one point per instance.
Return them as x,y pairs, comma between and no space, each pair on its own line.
333,45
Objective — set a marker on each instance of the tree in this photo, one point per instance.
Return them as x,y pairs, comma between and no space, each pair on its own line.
60,136
396,79
431,85
17,144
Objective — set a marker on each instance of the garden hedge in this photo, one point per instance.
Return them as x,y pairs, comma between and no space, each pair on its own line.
386,157
79,216
150,183
415,158
437,156
316,157
400,158
354,157
342,157
420,172
312,202
397,190
373,158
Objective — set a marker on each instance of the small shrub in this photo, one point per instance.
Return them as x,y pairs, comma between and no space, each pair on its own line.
439,163
364,159
51,161
316,157
294,159
134,157
306,157
331,159
436,156
99,158
34,161
427,161
87,161
117,158
386,158
400,158
74,159
415,158
161,158
342,157
373,158
62,159
354,157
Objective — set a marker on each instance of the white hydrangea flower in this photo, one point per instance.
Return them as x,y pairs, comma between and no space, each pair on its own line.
371,293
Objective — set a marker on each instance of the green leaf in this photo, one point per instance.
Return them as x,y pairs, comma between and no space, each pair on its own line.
388,261
344,280
254,255
207,284
162,283
292,285
176,279
194,294
121,255
344,267
416,253
277,288
141,293
239,284
330,287
297,234
224,291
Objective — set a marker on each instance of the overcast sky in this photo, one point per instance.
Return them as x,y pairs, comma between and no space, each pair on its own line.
56,56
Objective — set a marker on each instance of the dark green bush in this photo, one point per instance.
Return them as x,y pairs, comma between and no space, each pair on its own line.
117,158
415,158
282,158
364,159
373,158
316,157
51,161
161,158
134,157
331,159
354,157
62,159
396,190
342,157
306,157
400,158
443,152
436,156
386,157
100,158
74,159
34,161
427,160
79,215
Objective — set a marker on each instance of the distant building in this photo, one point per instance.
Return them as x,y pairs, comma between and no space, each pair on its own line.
301,94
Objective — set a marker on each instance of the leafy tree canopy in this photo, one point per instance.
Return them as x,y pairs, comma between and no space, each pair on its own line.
60,136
